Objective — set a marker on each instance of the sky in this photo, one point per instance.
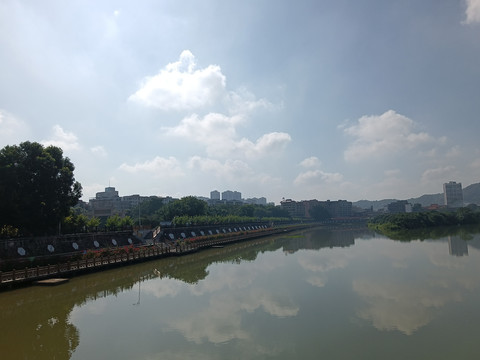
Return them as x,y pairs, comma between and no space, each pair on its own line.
307,99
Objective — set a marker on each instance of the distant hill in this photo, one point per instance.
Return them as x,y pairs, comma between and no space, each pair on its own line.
471,195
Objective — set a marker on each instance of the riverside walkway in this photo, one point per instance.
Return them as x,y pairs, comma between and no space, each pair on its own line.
68,269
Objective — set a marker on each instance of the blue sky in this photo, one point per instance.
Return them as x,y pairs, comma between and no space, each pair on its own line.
365,99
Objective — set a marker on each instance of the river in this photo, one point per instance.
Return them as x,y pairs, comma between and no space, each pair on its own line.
315,294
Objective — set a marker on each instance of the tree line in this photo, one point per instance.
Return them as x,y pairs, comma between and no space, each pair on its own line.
38,191
408,221
192,211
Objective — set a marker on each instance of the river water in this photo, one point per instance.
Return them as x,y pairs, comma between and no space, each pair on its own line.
317,294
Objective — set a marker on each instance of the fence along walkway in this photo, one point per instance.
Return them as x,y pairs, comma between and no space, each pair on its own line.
76,267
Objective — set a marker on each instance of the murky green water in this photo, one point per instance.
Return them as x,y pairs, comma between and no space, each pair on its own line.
319,294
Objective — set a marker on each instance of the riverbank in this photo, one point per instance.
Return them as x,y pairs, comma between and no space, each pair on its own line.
29,275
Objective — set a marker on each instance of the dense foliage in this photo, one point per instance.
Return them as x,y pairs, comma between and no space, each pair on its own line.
37,188
195,211
217,220
409,221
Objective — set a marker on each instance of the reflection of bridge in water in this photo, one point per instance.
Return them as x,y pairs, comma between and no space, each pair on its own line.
135,255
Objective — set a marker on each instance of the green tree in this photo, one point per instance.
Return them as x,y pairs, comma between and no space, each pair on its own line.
113,222
126,222
37,187
93,224
189,206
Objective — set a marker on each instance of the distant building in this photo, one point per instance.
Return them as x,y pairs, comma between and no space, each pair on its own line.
400,206
256,201
231,195
214,195
453,194
294,208
107,203
337,209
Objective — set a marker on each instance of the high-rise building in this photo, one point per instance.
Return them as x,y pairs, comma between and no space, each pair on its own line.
214,195
231,195
453,194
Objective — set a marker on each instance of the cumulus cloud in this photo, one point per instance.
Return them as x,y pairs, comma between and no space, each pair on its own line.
432,175
380,135
63,139
266,144
243,101
161,167
230,169
212,127
12,129
316,176
180,86
472,11
99,151
312,161
218,133
475,164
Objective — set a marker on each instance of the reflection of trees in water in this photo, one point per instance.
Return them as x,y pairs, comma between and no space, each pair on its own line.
464,232
35,324
35,321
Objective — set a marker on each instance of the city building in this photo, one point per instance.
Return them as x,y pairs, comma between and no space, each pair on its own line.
453,194
294,208
108,203
214,195
231,195
256,201
400,206
337,209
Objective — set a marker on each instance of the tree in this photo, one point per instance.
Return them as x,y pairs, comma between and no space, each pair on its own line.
37,187
113,222
93,223
188,205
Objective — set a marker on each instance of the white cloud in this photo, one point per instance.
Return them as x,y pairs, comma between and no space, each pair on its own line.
310,162
475,164
382,135
90,190
266,144
230,169
179,86
243,101
432,175
316,176
217,132
213,127
472,11
392,173
99,151
12,129
454,152
160,167
63,139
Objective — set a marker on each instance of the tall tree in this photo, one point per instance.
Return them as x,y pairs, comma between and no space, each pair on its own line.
37,187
